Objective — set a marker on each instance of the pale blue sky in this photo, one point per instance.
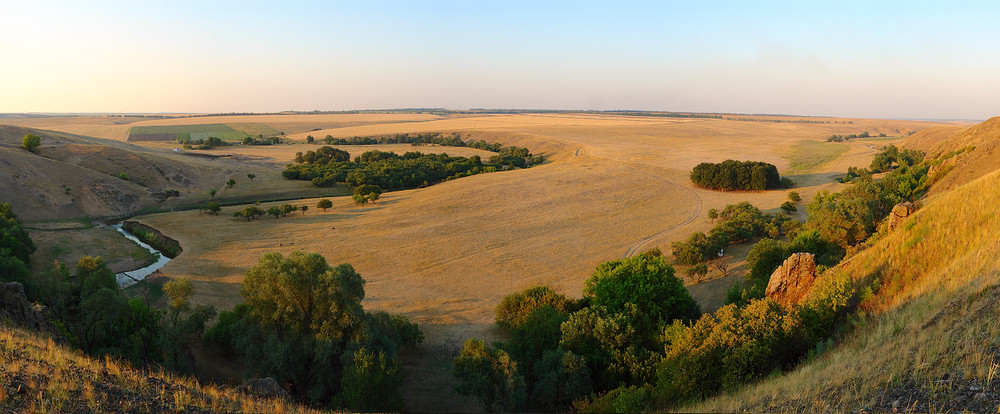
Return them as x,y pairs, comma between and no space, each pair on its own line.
841,58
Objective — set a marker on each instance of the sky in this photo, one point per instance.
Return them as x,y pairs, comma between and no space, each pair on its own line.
872,59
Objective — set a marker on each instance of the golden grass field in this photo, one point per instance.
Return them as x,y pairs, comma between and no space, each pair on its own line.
445,255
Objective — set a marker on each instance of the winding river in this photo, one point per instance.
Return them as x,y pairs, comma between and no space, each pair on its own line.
126,279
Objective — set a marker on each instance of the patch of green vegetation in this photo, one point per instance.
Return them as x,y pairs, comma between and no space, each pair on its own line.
808,155
877,139
191,132
254,130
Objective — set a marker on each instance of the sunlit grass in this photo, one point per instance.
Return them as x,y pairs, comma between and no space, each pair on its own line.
933,315
38,375
807,155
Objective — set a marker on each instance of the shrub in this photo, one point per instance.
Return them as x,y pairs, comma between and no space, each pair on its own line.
514,309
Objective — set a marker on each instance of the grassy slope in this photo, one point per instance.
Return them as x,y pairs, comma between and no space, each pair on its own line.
37,375
984,158
933,316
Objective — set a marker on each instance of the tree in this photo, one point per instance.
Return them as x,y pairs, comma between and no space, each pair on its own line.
647,282
794,196
324,204
230,183
713,214
370,383
212,192
251,176
31,142
16,247
287,208
788,207
300,322
366,193
722,265
183,326
274,211
697,272
213,208
515,308
488,374
303,208
310,139
250,213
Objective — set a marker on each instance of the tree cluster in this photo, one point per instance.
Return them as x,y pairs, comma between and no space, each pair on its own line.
890,154
390,171
738,223
737,175
209,143
436,138
561,350
301,322
261,140
16,247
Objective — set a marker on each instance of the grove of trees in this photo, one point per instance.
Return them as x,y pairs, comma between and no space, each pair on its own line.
737,175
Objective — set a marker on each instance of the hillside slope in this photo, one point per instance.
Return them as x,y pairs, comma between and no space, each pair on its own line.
38,375
981,145
931,340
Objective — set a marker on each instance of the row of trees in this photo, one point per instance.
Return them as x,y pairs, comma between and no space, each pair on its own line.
737,175
209,143
390,171
437,138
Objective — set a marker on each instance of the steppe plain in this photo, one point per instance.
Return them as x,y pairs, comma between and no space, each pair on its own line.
444,255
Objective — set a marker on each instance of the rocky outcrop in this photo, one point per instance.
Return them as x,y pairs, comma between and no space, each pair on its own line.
790,282
14,306
263,387
899,213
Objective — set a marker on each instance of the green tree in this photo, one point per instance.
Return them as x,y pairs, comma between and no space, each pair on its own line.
288,208
713,214
794,196
16,246
488,374
250,213
182,326
213,208
251,176
697,272
274,211
648,282
212,192
303,208
370,383
514,309
31,142
324,204
310,139
788,207
230,183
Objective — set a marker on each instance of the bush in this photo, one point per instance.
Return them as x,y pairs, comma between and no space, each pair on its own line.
489,375
31,142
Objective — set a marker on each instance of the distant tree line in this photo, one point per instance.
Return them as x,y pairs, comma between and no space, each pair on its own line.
390,171
737,175
842,138
209,143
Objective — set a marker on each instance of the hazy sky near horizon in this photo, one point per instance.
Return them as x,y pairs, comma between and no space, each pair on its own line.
905,59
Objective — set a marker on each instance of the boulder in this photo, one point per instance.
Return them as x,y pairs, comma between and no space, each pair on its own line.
264,388
790,282
14,306
899,213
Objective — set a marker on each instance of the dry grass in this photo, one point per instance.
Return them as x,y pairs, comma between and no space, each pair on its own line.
37,375
933,316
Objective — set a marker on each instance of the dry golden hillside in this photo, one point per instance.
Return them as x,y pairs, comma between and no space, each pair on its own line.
981,145
931,339
40,376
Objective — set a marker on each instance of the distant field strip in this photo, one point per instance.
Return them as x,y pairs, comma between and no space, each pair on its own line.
185,132
254,129
807,155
